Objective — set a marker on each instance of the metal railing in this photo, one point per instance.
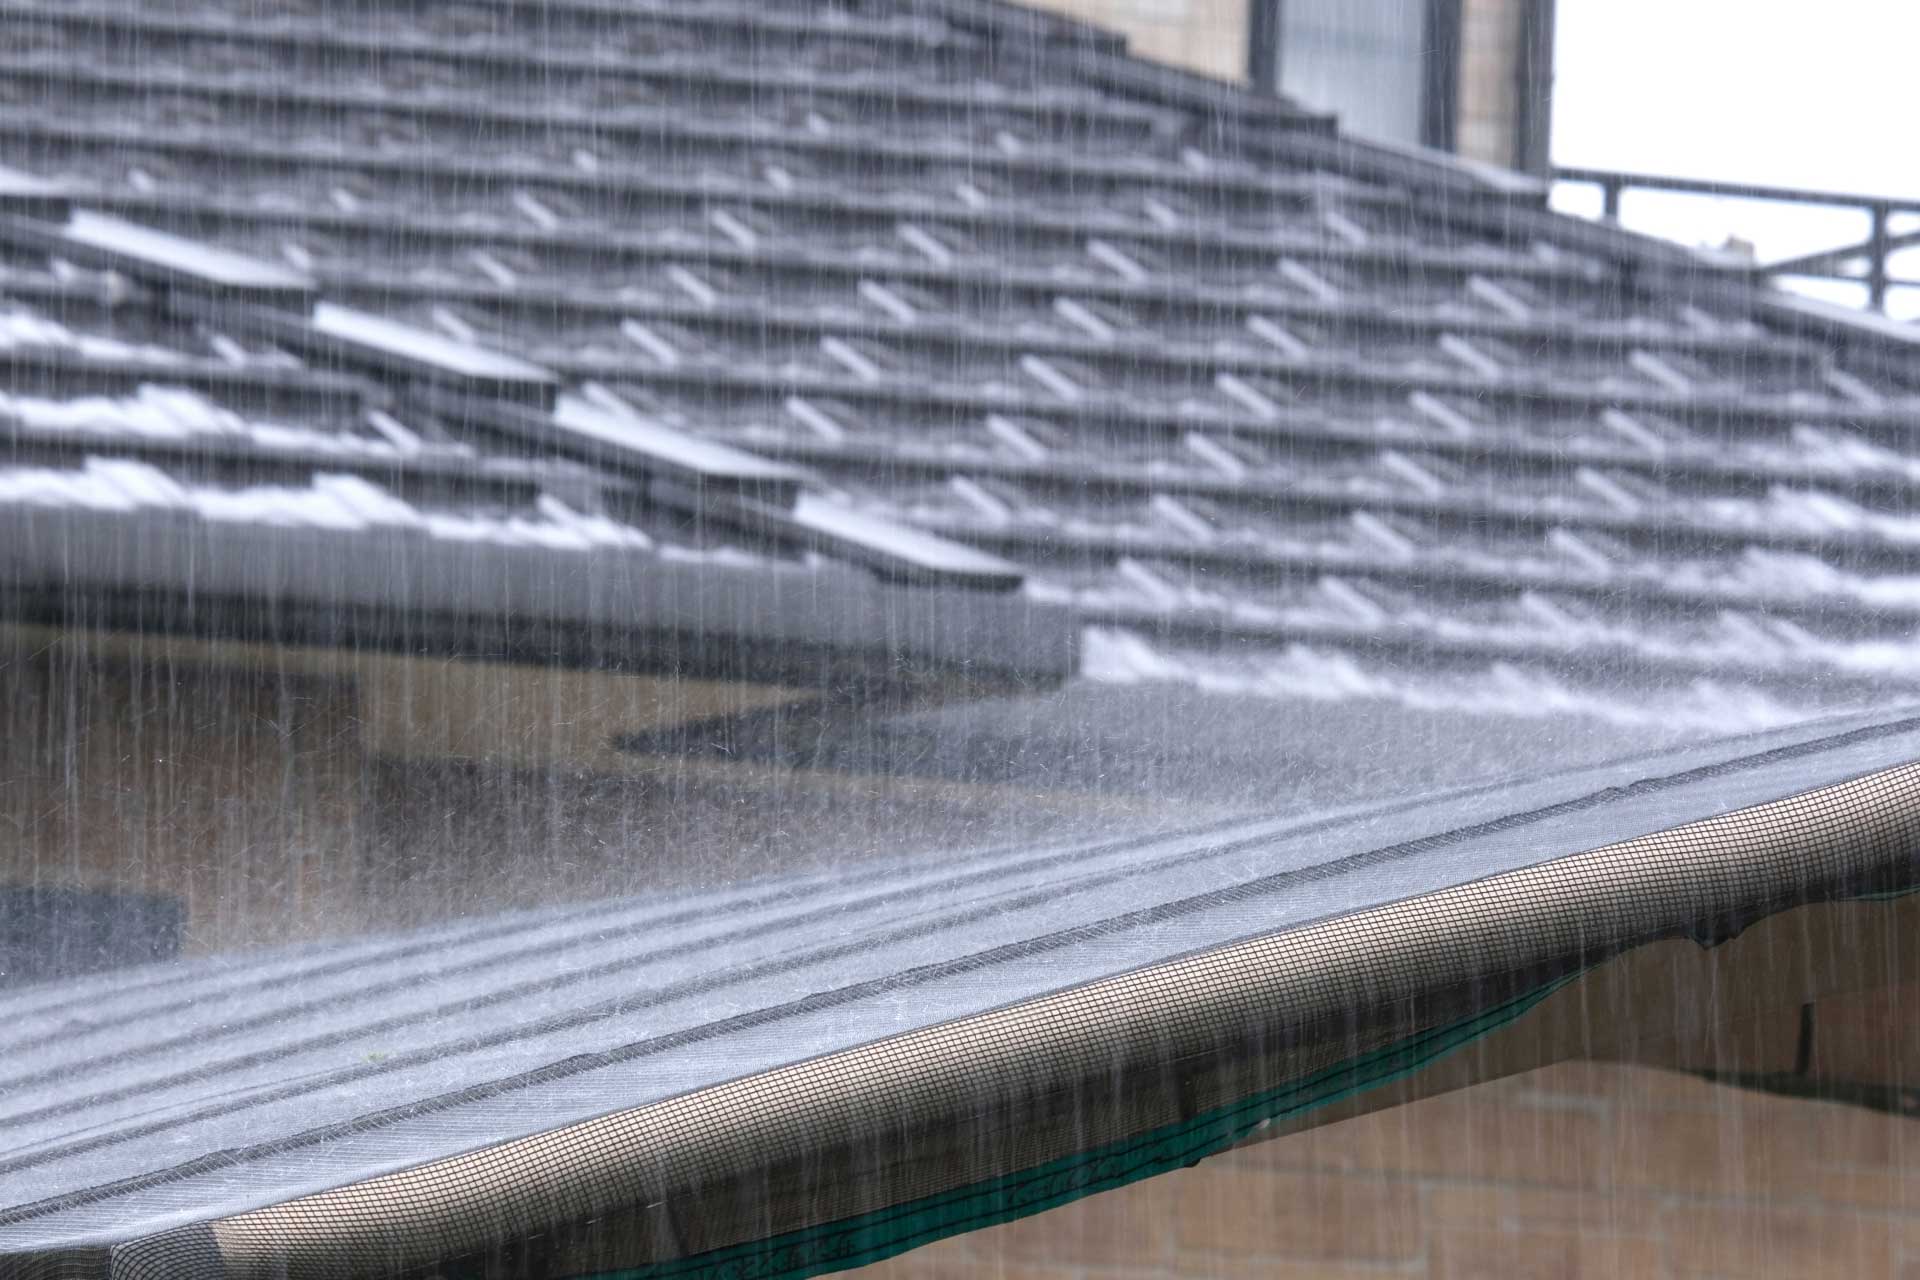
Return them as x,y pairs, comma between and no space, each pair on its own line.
1828,264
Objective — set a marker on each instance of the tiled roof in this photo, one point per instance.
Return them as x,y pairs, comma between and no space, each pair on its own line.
1172,359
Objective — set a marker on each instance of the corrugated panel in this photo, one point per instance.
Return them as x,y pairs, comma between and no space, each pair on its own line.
575,1062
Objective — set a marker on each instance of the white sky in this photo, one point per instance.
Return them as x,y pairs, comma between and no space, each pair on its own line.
1799,93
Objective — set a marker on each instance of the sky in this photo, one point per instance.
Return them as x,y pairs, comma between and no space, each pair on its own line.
1799,93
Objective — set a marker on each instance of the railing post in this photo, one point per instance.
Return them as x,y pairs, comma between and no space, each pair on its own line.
1610,199
1877,255
1837,263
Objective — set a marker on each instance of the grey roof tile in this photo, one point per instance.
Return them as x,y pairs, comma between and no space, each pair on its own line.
1106,325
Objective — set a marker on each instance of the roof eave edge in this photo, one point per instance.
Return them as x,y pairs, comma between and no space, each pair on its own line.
579,608
933,1095
1834,322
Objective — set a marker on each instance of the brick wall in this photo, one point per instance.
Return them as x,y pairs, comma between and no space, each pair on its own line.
282,794
1489,107
1208,36
231,790
1574,1170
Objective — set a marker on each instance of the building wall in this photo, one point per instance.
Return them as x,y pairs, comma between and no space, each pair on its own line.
283,794
1576,1170
1210,36
1489,106
233,789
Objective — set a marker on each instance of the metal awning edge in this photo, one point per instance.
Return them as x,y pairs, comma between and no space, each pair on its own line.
735,1174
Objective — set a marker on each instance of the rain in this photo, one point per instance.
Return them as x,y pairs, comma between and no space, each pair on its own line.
1079,638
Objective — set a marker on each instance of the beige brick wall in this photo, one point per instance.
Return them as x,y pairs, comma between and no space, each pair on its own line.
1208,36
280,794
1576,1170
231,789
1490,32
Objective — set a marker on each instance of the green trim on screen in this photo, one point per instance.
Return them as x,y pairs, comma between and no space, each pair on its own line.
871,1237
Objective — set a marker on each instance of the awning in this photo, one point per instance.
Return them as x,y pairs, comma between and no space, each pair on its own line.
801,1074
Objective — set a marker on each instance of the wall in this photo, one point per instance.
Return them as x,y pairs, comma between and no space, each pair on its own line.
233,789
1209,36
1489,104
1575,1170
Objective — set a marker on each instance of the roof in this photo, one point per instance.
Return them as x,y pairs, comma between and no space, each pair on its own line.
141,1103
1010,309
191,427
